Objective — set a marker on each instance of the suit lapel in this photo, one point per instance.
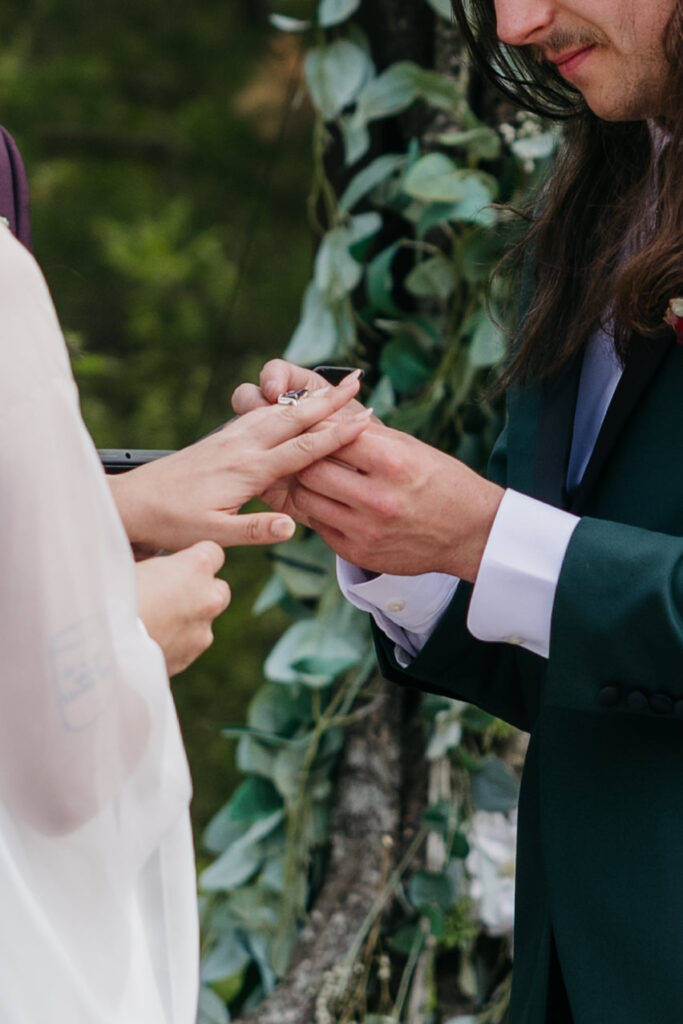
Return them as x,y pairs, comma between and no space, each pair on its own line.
644,359
554,433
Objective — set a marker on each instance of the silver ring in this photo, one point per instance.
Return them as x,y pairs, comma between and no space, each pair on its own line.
292,397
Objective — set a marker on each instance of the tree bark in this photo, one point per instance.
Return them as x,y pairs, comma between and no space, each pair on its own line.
367,808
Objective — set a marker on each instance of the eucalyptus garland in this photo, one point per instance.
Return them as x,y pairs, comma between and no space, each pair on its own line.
410,305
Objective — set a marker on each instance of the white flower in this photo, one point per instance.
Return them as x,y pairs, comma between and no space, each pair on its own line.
491,866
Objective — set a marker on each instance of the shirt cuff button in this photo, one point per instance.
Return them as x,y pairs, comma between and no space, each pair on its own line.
396,606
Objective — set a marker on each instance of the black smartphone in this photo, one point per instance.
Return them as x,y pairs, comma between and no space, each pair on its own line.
119,460
334,374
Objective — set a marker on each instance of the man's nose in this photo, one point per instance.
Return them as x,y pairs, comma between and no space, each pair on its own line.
522,22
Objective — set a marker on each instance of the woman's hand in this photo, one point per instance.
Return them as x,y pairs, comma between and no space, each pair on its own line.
178,599
195,494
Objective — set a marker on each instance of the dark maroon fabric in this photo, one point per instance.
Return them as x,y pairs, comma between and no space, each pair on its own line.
14,197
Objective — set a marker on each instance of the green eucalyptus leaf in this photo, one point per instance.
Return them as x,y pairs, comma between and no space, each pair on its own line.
383,397
300,570
443,8
431,889
334,12
487,346
460,846
434,178
312,654
258,947
432,278
364,226
254,757
287,771
369,178
356,138
336,272
249,907
255,798
212,1009
438,90
405,363
441,817
286,24
228,957
241,859
335,75
279,710
273,875
494,787
480,253
389,93
315,338
406,938
479,191
482,143
271,595
379,282
223,830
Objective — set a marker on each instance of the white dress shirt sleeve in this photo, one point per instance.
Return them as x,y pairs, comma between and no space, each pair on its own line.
512,601
406,608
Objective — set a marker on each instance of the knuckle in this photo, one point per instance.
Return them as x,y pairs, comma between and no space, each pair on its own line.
254,530
306,444
219,598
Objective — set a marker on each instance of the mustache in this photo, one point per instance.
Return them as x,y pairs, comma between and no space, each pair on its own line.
562,40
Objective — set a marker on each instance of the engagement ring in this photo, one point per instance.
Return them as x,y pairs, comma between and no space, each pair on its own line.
292,397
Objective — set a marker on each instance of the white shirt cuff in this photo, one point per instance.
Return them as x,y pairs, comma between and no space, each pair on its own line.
512,600
406,608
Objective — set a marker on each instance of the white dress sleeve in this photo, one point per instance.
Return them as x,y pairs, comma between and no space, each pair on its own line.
96,865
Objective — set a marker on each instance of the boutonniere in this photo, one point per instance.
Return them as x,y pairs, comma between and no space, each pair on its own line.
674,318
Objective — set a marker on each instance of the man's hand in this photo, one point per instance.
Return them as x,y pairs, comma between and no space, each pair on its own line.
390,503
196,493
178,599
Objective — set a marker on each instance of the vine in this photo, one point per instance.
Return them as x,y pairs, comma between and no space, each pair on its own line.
409,305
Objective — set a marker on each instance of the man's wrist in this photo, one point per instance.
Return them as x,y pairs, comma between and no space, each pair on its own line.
465,548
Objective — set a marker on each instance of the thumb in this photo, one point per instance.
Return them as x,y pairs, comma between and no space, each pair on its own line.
255,528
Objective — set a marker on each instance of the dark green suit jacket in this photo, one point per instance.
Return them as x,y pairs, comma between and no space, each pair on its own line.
600,849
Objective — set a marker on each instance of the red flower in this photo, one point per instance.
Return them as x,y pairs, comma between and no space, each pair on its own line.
674,317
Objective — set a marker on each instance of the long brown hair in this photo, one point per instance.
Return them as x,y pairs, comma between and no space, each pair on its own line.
606,232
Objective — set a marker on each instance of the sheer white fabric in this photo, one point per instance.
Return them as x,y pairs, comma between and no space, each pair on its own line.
98,919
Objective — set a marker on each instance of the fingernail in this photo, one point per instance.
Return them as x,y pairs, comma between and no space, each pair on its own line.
319,391
350,378
365,414
283,529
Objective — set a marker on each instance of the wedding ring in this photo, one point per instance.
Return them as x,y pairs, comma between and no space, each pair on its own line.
292,397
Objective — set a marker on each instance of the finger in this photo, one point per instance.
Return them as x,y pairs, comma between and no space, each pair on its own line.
208,555
253,528
278,376
326,512
247,397
335,480
282,422
292,456
221,598
371,452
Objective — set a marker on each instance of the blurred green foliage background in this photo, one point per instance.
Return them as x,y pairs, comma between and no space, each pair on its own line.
168,156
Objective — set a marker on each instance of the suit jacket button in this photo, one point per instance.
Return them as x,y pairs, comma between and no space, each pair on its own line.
608,696
637,701
661,704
